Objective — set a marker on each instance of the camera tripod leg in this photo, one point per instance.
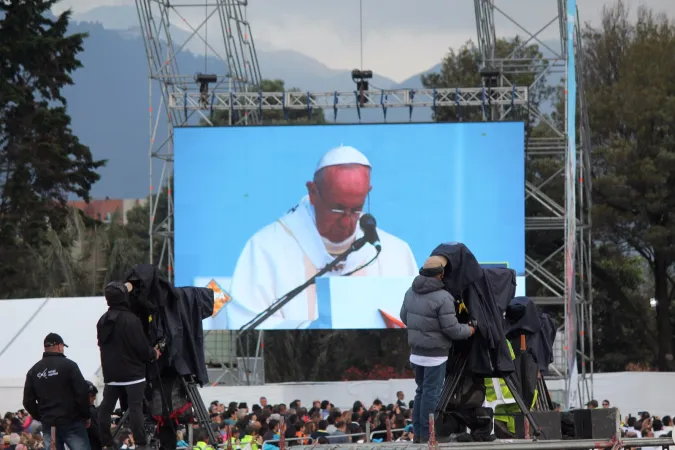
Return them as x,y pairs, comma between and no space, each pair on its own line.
451,384
201,413
510,383
122,421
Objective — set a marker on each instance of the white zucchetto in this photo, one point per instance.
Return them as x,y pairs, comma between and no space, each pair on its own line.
342,155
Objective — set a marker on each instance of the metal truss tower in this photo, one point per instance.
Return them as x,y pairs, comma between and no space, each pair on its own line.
230,64
562,278
219,30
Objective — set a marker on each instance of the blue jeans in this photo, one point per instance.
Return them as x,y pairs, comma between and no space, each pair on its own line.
73,435
429,386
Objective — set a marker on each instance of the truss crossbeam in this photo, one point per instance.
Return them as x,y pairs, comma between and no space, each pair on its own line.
548,301
399,98
522,66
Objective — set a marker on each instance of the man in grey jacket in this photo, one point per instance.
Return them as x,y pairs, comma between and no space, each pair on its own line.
428,313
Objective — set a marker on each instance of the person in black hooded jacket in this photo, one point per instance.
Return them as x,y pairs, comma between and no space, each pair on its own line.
125,353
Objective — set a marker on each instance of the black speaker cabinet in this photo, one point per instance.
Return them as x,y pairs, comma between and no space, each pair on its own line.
595,423
548,421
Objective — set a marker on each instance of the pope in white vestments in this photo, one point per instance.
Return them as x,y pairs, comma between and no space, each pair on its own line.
289,251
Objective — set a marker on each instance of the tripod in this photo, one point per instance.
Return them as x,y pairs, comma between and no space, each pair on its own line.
457,373
201,414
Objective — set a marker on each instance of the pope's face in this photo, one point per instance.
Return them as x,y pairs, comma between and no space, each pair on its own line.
338,196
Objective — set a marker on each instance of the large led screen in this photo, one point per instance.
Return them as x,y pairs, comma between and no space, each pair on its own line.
260,210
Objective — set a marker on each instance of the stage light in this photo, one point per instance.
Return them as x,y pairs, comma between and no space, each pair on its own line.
361,74
204,80
490,77
360,77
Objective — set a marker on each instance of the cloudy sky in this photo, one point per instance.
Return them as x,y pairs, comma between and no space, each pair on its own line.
400,38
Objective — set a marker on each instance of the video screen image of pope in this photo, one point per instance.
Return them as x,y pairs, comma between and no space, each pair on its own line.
289,251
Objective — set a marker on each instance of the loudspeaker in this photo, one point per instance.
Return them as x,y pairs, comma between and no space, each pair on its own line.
548,421
595,423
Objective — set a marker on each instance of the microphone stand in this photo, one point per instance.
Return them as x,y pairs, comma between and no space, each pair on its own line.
283,300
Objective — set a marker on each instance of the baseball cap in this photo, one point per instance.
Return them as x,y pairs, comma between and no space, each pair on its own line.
435,262
53,339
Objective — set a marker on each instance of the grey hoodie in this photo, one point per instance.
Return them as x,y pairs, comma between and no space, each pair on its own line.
428,312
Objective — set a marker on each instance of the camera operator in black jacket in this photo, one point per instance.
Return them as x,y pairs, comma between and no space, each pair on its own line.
125,353
57,395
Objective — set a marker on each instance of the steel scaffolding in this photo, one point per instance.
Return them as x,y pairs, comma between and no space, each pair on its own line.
569,213
398,98
184,101
169,28
236,69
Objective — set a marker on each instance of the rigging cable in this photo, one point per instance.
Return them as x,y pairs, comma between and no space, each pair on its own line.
361,29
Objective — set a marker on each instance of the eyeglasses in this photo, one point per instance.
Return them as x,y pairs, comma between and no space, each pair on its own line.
351,212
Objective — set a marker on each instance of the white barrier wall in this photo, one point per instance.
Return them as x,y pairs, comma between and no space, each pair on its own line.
629,391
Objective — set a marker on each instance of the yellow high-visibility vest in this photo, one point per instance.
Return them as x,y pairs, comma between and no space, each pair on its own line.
201,445
500,399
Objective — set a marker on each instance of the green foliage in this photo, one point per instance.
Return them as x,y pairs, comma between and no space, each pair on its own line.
622,319
461,69
79,259
41,162
276,117
629,86
138,227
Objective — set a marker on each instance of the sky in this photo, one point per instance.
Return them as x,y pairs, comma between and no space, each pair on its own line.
400,38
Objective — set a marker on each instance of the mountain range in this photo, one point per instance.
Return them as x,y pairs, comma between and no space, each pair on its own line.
110,98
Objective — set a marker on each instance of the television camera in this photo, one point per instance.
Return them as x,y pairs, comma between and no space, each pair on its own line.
172,318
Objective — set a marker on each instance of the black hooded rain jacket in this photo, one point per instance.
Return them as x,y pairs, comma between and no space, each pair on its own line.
125,350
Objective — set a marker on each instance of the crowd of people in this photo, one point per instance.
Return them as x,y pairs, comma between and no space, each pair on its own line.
321,423
262,425
255,428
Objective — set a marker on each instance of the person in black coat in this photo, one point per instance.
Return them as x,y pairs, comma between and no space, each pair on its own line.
125,353
93,431
56,394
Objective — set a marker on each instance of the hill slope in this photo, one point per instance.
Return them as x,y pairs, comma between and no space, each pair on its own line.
109,102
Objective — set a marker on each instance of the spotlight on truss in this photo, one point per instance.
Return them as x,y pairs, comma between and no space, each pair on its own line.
361,77
204,80
490,77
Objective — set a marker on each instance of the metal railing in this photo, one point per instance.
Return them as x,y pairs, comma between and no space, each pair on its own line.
614,443
366,434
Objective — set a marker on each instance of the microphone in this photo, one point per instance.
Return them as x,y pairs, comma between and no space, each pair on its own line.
369,227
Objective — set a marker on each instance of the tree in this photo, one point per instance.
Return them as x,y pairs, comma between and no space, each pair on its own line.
622,326
276,117
80,259
629,84
460,69
41,162
138,229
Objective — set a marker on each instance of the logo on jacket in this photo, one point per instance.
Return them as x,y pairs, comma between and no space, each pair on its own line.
47,373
